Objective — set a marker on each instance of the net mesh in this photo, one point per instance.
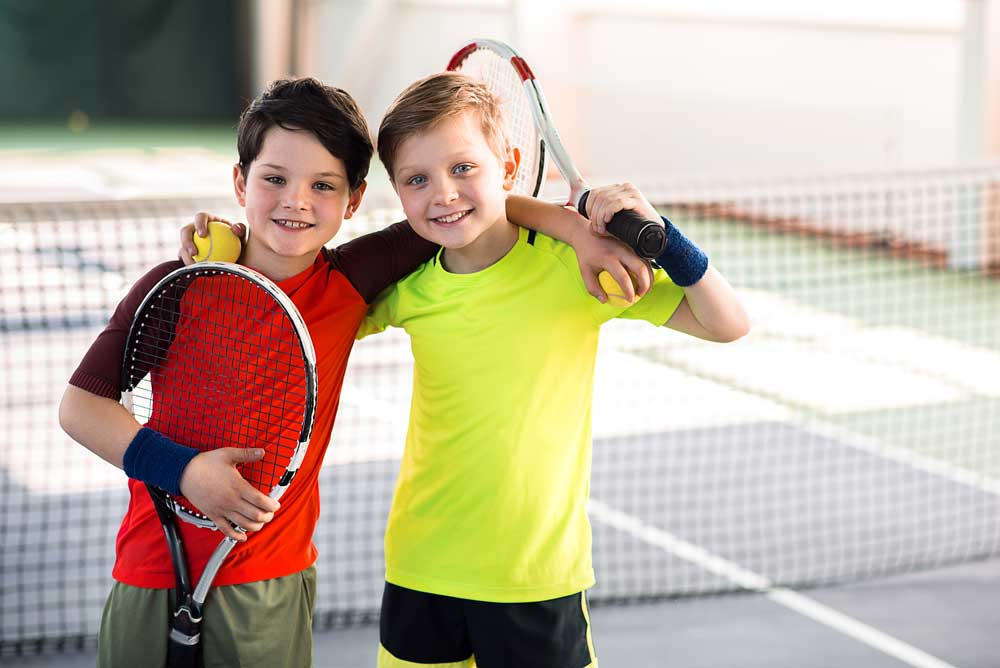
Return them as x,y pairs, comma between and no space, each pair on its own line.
852,434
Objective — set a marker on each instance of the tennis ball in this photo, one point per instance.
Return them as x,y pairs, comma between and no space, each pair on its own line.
221,245
616,297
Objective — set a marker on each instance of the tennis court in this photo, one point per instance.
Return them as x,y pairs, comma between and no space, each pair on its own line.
824,492
849,439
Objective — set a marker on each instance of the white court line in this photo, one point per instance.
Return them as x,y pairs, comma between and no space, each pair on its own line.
755,582
936,467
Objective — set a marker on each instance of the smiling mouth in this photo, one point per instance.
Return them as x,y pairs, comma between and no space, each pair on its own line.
291,224
451,218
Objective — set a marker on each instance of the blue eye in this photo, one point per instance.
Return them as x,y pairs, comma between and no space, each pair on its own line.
416,180
462,169
323,186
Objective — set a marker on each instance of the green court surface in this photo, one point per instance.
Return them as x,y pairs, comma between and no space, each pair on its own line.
218,137
883,315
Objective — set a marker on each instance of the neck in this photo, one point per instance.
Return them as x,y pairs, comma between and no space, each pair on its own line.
275,267
486,250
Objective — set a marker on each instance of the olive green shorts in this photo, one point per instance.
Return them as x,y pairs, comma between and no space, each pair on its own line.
267,623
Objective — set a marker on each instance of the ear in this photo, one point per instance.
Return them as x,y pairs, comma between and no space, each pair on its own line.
510,165
355,201
240,185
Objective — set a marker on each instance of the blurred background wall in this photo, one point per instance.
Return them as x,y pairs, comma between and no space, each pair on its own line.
671,86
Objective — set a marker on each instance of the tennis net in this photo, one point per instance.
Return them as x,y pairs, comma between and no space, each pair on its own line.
852,434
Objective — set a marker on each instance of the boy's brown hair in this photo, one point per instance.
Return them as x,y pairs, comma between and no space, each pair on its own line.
429,101
329,113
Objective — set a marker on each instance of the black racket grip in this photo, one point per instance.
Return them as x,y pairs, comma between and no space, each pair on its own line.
647,238
184,640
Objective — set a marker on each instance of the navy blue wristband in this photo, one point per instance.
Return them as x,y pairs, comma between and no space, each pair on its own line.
684,262
153,458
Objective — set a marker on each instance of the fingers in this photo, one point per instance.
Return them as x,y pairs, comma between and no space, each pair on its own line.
250,517
188,249
201,220
200,227
213,484
227,529
258,502
624,281
594,285
641,273
241,455
604,202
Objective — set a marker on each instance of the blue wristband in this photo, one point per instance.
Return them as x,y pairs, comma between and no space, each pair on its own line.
684,262
153,458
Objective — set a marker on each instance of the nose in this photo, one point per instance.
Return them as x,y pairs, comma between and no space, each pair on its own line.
445,192
297,198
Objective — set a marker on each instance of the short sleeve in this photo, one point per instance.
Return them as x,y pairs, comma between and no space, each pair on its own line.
659,303
375,261
382,314
100,368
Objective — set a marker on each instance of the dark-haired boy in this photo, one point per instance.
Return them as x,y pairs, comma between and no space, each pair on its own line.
304,153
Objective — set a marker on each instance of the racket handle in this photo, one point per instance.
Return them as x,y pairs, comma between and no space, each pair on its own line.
184,639
647,238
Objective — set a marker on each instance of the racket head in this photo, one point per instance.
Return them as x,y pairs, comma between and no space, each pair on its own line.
509,76
218,356
495,64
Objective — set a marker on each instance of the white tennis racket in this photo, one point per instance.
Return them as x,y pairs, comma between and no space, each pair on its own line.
218,356
529,128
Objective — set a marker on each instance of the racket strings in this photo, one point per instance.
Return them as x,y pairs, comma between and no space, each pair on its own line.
221,366
506,84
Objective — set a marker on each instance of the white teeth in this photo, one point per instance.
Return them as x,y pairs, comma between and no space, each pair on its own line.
452,218
293,224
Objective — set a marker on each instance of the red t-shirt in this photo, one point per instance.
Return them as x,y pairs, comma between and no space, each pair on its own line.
332,296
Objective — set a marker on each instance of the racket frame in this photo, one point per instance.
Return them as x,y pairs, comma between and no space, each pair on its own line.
185,627
551,144
646,237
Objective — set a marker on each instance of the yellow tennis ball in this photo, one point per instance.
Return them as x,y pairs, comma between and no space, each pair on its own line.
616,297
221,245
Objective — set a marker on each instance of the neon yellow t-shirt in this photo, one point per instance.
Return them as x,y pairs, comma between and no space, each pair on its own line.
491,498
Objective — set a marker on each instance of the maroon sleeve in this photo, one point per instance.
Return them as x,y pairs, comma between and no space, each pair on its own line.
375,261
100,370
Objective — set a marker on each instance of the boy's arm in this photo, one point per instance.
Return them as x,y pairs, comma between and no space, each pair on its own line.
374,261
710,309
371,262
595,253
209,480
91,415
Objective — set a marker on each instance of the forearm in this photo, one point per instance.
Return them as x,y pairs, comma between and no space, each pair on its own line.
716,306
99,424
711,310
549,219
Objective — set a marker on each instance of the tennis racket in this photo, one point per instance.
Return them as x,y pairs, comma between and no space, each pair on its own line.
218,356
529,128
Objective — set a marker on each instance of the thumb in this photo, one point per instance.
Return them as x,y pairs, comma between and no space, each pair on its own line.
239,455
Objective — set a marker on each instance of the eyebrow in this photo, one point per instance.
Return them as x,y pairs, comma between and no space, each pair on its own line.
320,174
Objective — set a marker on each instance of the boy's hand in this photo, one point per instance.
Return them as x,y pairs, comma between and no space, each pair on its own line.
212,483
604,253
200,227
604,202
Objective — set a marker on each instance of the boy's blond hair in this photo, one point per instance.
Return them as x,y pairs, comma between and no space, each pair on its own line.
429,101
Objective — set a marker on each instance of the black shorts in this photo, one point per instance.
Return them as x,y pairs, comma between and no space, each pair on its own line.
420,629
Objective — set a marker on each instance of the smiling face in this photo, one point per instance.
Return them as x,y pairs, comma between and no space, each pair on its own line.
296,196
453,186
